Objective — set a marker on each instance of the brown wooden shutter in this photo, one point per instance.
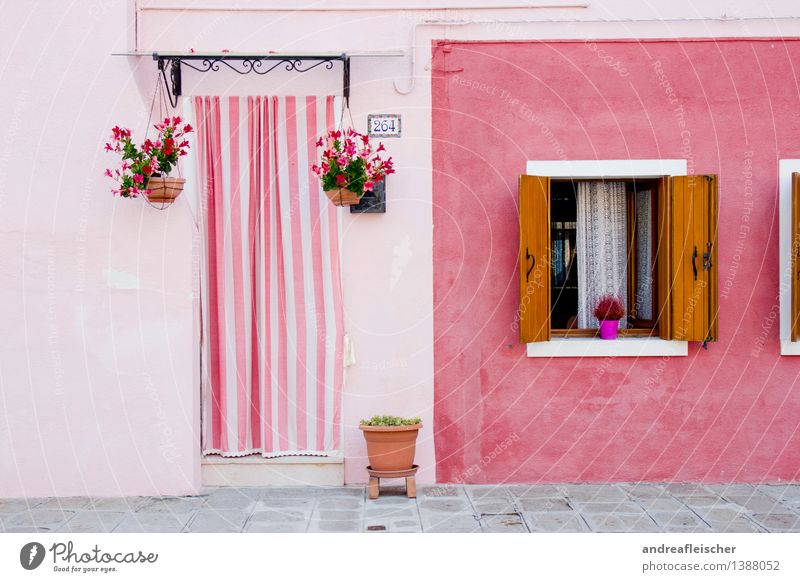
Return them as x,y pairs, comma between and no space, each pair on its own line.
693,261
664,258
534,259
795,256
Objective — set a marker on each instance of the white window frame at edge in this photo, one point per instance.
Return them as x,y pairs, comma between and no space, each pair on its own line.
785,169
595,347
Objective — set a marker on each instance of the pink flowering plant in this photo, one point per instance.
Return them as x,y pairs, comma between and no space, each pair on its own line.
349,161
152,158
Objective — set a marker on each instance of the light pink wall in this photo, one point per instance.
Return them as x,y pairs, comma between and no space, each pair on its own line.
726,414
96,358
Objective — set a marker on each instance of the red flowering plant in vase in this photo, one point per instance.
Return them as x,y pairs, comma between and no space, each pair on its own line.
153,159
609,311
350,166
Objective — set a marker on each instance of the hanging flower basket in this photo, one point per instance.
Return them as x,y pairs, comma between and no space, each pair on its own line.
145,167
164,189
342,197
349,166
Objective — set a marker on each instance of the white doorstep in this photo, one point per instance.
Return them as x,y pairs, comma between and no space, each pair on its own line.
256,471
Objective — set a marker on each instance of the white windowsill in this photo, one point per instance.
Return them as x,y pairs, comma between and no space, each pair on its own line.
579,347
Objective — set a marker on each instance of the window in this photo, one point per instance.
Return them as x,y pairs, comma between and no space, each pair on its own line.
667,262
616,254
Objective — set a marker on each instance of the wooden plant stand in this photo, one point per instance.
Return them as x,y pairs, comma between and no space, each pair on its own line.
374,487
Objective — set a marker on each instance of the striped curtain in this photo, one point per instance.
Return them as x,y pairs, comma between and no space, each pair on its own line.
272,321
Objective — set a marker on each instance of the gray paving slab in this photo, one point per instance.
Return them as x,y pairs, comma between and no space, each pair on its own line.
641,491
117,503
535,491
447,505
778,522
738,525
708,500
340,503
621,523
92,521
233,498
540,504
661,504
487,491
342,492
17,505
720,514
289,503
217,520
343,526
296,492
503,524
784,492
732,488
279,516
599,493
453,523
436,491
153,523
493,505
261,527
338,515
68,503
687,489
612,507
555,521
678,520
42,520
171,504
756,502
392,513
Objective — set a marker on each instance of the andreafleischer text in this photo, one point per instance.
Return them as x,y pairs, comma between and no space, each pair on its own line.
689,549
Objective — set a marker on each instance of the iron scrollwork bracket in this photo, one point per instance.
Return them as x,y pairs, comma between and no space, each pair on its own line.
243,65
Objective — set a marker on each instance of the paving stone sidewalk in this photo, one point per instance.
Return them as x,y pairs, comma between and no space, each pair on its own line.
621,507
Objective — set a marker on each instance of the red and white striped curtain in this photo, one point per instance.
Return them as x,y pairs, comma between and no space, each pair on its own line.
272,315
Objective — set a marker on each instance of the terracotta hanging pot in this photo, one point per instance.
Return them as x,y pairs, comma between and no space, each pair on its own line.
342,197
164,189
391,448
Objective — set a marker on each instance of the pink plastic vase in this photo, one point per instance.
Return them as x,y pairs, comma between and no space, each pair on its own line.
608,328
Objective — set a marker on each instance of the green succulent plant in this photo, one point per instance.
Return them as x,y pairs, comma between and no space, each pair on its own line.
391,421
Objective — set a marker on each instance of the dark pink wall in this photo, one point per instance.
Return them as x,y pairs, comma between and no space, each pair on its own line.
731,413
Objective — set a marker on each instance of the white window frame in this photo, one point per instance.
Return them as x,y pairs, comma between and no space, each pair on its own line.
595,347
785,169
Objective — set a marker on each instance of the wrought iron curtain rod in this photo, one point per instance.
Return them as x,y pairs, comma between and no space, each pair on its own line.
169,64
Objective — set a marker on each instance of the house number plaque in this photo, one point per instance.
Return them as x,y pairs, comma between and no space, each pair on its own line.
383,125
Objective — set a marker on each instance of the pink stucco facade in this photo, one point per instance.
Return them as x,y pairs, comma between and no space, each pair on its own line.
729,107
99,362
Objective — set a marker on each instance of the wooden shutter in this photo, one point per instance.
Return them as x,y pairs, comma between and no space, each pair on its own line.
534,259
692,234
795,256
664,258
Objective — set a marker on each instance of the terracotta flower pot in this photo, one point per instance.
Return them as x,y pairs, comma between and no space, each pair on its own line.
342,197
391,448
164,189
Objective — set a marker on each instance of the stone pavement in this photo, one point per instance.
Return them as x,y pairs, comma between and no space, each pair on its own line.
616,507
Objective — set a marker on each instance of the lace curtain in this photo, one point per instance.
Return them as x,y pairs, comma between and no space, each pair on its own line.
644,255
602,247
